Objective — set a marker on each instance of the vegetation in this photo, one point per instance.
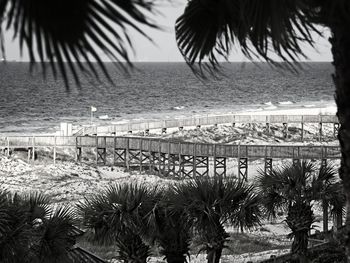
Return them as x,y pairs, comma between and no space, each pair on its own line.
294,188
170,228
210,203
206,30
30,231
183,218
118,216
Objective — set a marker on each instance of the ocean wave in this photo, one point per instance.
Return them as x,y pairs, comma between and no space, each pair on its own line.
253,110
271,108
309,105
178,108
285,102
268,103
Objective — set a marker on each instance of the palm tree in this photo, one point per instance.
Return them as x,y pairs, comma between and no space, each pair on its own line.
169,226
209,29
206,30
294,188
210,203
118,216
30,231
75,31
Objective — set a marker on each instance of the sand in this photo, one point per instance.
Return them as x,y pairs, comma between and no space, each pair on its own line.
68,182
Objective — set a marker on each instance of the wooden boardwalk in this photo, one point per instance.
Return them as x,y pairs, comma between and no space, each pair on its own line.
199,121
168,158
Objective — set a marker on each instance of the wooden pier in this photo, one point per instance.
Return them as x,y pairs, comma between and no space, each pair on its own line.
232,119
168,158
164,157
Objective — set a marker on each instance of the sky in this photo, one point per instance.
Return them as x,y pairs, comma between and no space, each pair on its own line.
164,49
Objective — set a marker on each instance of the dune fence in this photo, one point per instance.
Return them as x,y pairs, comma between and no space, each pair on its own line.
199,121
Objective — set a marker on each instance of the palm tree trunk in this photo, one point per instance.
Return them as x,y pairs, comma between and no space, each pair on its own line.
216,240
325,215
299,220
214,255
175,259
341,55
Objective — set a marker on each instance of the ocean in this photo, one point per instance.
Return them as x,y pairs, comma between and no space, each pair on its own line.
30,103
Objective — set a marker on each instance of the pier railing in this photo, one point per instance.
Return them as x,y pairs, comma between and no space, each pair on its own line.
165,157
215,119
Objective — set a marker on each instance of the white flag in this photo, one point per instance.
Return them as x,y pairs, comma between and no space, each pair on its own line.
93,109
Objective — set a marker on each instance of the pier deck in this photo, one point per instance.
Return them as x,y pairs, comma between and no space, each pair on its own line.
170,158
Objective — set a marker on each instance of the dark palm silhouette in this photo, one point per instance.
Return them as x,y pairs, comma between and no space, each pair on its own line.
209,29
210,204
294,188
75,31
30,231
72,30
118,216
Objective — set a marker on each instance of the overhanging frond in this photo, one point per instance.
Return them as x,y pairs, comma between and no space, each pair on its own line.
208,29
76,31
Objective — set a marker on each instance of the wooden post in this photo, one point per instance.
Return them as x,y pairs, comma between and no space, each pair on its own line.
194,160
105,150
8,146
76,150
214,158
180,160
268,128
302,131
127,157
150,156
54,151
114,148
169,158
285,130
29,152
159,157
33,152
238,159
96,141
141,155
320,131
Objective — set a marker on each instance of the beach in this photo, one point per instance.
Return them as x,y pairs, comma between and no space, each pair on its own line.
69,182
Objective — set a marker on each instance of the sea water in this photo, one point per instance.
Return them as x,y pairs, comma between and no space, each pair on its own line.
33,103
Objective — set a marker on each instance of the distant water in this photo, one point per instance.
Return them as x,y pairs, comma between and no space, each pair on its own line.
31,104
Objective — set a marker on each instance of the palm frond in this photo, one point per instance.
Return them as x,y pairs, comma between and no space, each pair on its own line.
76,31
249,213
117,208
210,29
55,239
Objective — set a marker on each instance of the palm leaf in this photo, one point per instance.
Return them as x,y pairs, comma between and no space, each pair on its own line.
55,239
210,29
76,31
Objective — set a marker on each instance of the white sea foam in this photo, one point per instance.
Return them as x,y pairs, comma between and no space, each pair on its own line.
254,110
268,103
309,105
285,102
270,108
178,108
104,117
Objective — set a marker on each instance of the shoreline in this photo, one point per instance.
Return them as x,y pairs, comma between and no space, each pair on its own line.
269,108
